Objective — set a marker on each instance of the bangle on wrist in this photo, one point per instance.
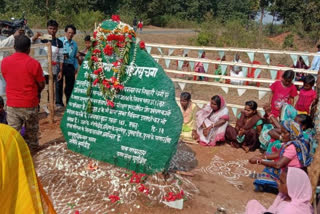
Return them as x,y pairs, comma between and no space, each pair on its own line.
271,115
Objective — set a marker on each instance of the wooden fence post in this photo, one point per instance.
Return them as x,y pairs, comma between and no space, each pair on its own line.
314,169
51,84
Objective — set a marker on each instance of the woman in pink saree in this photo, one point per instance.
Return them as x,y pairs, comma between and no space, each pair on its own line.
212,122
294,195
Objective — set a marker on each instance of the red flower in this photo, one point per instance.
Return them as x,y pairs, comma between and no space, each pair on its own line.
143,189
116,63
108,50
142,45
118,86
77,212
113,80
111,104
95,34
115,18
95,81
106,83
96,51
114,198
172,196
136,178
94,58
111,37
130,36
121,38
98,71
95,43
120,45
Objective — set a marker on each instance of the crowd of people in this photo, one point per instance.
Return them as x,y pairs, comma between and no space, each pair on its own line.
237,70
25,78
285,134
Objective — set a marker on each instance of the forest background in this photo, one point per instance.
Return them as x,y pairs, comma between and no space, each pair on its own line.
222,23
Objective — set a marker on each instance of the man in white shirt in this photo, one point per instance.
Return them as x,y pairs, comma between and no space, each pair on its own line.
236,71
9,42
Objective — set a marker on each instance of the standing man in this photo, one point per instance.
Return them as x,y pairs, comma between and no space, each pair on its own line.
134,24
70,65
25,80
57,55
9,42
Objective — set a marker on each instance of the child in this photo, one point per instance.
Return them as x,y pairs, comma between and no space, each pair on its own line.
3,114
140,25
307,95
283,91
81,55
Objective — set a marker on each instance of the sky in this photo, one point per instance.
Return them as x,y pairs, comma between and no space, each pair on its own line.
267,19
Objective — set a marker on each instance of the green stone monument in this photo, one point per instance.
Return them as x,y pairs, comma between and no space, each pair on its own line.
122,109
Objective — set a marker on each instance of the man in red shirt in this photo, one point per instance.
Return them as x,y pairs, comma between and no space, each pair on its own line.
25,80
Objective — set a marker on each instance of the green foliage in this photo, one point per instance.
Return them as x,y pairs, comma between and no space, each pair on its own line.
229,34
300,17
273,30
288,41
203,38
85,20
175,22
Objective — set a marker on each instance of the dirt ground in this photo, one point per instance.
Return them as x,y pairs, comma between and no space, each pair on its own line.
221,175
221,179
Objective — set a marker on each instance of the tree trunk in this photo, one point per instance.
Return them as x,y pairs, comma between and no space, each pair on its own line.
47,10
260,27
271,28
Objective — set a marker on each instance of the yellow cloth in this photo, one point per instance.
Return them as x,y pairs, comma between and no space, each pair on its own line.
189,120
19,191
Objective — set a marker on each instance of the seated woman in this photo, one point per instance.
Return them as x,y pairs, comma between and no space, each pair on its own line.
294,196
273,135
247,130
189,110
309,132
21,191
218,68
294,152
288,112
212,122
199,67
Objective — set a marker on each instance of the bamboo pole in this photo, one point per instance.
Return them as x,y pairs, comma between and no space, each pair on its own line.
202,48
51,84
260,80
32,47
221,84
217,62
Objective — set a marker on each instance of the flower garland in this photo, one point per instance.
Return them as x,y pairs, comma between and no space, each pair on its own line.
116,43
